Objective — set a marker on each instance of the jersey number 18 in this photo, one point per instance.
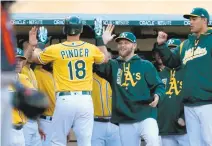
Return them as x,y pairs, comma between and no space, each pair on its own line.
77,69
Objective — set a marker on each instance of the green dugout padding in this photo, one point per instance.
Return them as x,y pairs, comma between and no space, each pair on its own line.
117,19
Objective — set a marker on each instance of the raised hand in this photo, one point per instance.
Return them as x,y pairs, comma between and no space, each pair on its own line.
162,37
107,35
33,36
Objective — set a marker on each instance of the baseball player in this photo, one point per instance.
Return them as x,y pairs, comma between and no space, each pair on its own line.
131,80
7,71
26,69
45,82
23,98
72,70
171,121
105,133
18,118
195,55
31,133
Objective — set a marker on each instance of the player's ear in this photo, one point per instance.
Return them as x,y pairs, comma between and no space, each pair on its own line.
134,46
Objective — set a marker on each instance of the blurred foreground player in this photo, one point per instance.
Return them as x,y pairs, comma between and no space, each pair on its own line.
23,96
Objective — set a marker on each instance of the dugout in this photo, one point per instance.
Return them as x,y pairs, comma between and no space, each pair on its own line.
144,19
145,27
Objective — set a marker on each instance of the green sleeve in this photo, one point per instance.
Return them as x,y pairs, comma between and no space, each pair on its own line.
181,114
170,58
154,82
104,70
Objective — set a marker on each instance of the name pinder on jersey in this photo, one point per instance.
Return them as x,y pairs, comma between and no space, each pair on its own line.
74,53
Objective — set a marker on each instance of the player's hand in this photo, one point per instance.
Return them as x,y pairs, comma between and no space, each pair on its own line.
162,37
107,35
33,36
42,35
42,134
181,122
155,102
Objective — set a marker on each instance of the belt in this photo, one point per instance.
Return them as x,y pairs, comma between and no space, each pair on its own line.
46,117
18,126
102,119
74,93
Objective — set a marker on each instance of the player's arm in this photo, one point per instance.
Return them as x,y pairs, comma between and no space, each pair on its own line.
154,82
103,36
104,70
39,54
104,55
170,58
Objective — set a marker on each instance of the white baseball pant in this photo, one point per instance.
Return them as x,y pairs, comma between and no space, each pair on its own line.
73,111
105,134
46,126
17,138
31,134
131,134
175,140
199,125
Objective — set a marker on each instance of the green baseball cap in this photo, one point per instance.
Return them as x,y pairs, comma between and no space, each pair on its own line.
20,53
127,36
198,12
173,42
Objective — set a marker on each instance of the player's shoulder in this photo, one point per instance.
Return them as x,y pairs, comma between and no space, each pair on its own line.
90,46
23,77
146,63
52,47
24,80
24,69
38,69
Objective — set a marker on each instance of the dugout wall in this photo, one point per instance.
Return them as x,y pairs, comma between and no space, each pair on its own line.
143,18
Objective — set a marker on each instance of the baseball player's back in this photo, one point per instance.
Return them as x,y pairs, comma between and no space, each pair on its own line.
72,64
72,71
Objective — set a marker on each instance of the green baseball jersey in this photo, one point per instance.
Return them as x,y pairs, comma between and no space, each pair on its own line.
171,108
131,83
195,54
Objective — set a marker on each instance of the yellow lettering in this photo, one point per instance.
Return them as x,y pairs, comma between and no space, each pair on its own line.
173,86
128,76
138,76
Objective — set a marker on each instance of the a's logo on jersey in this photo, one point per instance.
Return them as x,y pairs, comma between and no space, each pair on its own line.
175,86
193,53
129,77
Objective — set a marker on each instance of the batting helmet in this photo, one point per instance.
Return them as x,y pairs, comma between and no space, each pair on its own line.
73,26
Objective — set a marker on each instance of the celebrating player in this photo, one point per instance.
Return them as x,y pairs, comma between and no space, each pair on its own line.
72,70
131,79
195,55
171,119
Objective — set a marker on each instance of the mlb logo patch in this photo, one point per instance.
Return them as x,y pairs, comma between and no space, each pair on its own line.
164,81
